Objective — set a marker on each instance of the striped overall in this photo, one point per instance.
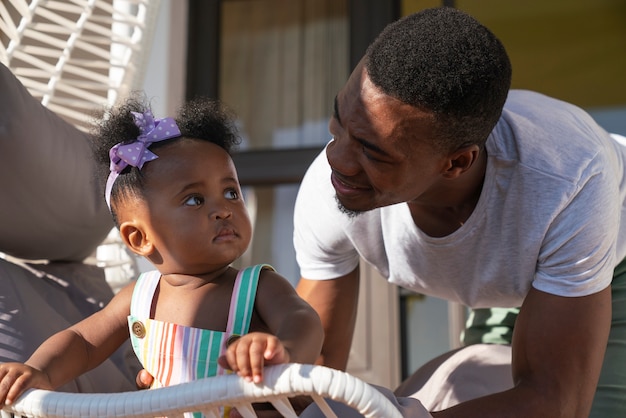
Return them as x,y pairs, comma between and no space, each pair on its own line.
174,353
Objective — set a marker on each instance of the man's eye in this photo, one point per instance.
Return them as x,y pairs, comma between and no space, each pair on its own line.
231,194
369,155
194,201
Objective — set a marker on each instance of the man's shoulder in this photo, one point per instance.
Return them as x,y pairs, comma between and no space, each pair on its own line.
550,136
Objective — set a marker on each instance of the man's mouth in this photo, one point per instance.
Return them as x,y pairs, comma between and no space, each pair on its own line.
344,188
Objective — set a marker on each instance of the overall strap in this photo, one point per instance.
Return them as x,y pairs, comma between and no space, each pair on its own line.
242,300
143,294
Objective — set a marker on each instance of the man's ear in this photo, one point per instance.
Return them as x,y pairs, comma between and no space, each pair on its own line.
136,239
461,161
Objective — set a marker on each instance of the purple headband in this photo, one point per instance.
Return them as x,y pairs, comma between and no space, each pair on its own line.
137,153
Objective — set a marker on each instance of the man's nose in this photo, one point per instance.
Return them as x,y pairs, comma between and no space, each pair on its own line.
342,156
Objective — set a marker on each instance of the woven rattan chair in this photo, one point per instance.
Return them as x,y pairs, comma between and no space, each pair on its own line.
208,395
77,56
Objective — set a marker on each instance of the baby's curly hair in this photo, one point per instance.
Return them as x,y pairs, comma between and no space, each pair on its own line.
443,61
201,118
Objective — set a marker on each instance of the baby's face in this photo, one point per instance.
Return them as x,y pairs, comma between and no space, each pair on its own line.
194,209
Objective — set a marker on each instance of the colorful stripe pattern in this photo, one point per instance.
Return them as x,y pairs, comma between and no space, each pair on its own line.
175,353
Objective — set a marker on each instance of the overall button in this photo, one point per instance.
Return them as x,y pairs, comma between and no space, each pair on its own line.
138,329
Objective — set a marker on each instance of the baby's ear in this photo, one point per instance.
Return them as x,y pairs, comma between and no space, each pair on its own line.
135,238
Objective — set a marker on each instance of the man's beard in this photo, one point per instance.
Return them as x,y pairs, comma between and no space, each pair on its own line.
350,213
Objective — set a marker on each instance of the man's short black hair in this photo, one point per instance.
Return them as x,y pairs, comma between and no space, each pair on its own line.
444,61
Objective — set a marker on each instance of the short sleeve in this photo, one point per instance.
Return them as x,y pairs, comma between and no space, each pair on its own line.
323,250
579,251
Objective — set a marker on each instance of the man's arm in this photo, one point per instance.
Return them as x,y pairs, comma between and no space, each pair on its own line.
336,303
558,350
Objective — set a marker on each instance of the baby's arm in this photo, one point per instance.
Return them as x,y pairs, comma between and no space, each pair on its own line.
296,331
71,352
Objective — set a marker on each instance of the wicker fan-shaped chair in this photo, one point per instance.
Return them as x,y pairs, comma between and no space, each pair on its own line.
77,55
208,395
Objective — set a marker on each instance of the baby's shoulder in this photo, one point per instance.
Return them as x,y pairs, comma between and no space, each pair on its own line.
270,278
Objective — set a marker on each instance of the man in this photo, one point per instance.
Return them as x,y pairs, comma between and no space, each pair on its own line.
452,186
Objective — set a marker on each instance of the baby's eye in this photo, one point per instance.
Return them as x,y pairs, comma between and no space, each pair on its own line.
231,194
194,201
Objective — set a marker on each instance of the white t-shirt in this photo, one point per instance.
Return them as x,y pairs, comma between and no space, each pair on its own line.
548,216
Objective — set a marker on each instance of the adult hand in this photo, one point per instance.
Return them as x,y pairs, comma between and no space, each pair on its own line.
144,379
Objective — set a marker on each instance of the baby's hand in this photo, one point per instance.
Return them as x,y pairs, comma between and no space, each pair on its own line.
15,378
247,355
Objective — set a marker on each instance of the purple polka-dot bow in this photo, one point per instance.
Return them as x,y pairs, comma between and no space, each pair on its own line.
137,153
